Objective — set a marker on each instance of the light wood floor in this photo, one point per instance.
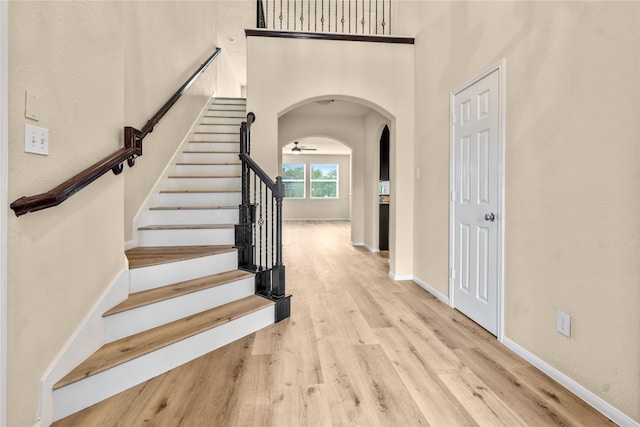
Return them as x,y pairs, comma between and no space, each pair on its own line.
358,350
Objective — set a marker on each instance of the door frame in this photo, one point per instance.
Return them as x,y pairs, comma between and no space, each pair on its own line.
500,67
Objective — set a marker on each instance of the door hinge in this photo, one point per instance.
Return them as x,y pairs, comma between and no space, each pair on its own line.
452,273
453,196
453,118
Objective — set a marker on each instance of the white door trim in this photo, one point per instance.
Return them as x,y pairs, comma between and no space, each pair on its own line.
501,67
4,208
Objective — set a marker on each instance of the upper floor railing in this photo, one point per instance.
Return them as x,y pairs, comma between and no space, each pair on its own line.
114,162
367,17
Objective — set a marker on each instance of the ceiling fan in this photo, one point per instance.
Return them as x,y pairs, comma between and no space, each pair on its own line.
297,149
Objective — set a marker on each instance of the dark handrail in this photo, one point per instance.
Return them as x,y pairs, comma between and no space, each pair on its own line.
258,236
114,162
258,171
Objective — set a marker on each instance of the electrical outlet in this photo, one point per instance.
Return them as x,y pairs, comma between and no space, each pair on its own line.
36,140
563,323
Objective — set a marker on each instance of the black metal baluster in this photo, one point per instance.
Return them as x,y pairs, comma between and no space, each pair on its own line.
280,17
376,27
342,19
309,15
336,16
369,16
382,17
355,20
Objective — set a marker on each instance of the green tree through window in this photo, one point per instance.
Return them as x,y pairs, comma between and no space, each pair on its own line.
324,181
293,177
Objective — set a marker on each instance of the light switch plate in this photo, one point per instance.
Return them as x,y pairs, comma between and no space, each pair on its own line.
36,140
31,106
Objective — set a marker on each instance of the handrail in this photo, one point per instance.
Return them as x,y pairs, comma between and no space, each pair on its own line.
259,171
258,236
114,162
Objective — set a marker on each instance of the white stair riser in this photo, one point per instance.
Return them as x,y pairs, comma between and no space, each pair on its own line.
226,100
140,319
231,128
211,184
155,276
200,199
191,216
208,170
91,390
236,113
186,237
218,137
210,157
212,120
221,147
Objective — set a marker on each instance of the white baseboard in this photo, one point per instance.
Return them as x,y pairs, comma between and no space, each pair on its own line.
85,340
395,276
442,297
589,397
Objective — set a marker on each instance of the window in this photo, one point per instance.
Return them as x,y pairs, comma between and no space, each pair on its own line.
324,181
293,178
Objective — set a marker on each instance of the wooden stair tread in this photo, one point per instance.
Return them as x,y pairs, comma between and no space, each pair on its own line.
205,176
209,164
140,299
199,191
185,208
209,151
217,142
187,227
126,349
154,255
210,132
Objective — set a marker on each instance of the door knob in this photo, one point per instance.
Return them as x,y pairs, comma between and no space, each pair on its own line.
490,217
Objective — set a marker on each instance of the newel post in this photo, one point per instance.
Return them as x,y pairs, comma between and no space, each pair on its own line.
244,230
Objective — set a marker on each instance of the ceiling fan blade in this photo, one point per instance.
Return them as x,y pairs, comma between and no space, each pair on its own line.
308,149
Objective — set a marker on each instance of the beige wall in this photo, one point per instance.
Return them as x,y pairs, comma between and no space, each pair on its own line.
300,71
309,208
94,67
572,235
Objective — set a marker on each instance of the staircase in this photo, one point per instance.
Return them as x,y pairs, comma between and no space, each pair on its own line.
186,295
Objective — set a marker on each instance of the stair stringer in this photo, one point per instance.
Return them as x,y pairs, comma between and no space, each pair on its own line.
87,338
82,394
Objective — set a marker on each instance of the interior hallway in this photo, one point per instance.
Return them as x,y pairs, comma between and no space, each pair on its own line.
359,349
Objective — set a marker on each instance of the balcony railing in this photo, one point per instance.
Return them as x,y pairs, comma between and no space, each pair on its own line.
366,17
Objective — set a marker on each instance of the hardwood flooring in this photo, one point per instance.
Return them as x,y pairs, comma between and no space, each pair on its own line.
358,350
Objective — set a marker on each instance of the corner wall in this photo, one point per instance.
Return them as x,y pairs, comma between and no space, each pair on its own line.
572,235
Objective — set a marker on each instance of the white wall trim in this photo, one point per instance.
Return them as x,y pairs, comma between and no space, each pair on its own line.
442,297
86,339
583,393
501,67
4,209
395,276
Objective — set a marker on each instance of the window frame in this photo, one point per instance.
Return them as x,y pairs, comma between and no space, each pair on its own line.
303,180
336,181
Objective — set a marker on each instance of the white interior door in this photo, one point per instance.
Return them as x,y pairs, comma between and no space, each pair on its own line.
476,200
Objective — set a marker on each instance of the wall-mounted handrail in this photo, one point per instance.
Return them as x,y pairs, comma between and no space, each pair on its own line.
114,162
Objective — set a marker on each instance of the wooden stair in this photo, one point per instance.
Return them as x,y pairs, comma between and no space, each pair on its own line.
186,295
